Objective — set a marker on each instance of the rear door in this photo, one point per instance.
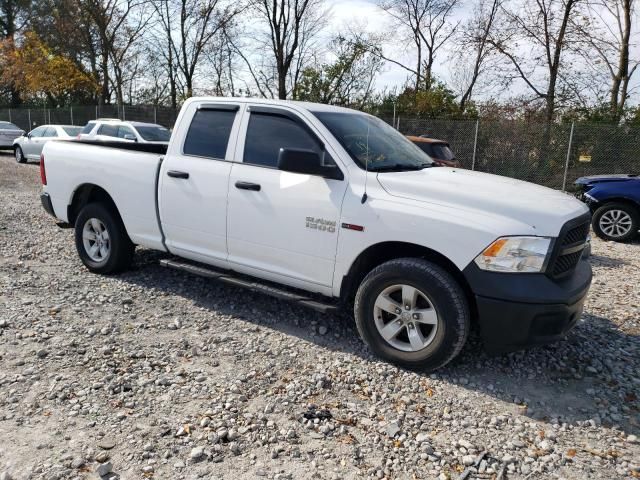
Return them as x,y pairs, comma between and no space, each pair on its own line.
194,183
282,225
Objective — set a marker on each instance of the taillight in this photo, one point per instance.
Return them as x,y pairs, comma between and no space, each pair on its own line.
43,174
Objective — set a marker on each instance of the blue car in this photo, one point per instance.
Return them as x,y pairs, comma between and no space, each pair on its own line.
614,201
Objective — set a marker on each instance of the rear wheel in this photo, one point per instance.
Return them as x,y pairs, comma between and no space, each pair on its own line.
616,221
413,313
101,240
20,158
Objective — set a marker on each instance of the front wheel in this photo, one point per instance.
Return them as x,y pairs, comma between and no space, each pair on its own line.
20,158
413,313
101,240
616,221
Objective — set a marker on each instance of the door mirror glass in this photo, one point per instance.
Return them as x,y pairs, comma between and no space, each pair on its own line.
129,136
308,162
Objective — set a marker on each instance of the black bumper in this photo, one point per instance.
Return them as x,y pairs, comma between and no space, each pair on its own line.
519,310
45,199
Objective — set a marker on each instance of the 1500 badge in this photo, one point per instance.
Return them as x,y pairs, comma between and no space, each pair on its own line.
321,224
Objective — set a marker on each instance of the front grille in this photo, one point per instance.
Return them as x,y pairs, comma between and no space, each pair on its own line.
565,263
576,235
569,247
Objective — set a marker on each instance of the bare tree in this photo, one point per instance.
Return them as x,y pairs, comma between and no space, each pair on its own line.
608,35
163,45
533,38
110,19
474,37
425,23
292,27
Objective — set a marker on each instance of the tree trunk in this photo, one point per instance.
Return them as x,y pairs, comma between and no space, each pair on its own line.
104,95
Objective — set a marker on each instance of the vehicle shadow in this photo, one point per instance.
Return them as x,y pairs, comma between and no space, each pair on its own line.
589,377
599,260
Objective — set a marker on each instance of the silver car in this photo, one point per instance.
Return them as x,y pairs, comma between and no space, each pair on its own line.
29,146
8,133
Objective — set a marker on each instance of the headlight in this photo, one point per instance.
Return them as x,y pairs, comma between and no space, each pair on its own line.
515,254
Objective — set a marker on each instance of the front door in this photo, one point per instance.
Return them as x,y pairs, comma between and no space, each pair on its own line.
194,182
282,225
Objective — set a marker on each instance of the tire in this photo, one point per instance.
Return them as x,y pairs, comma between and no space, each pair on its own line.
20,158
117,253
615,221
440,295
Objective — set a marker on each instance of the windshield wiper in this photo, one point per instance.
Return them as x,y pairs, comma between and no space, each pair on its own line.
400,167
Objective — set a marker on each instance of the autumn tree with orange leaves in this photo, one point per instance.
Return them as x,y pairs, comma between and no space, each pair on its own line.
41,75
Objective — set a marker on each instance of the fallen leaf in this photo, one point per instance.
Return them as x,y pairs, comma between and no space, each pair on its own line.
571,452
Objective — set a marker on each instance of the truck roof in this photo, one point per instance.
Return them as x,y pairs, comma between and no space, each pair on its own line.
309,106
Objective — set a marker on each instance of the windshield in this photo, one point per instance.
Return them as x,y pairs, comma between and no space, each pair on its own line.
154,133
72,131
88,127
372,143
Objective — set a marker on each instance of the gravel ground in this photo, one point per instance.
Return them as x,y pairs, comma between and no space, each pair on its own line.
155,373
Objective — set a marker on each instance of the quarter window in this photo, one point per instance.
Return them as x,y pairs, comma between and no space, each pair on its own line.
208,133
268,133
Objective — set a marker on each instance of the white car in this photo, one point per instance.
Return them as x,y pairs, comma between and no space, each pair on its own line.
30,145
8,133
117,130
343,208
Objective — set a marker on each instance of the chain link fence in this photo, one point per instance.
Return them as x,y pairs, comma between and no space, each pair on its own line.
29,118
553,155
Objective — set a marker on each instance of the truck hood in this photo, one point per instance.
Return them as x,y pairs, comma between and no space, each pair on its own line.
541,208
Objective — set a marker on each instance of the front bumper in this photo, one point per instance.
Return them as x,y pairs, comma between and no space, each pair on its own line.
519,310
45,199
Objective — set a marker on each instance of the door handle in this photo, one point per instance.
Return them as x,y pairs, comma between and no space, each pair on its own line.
248,186
177,174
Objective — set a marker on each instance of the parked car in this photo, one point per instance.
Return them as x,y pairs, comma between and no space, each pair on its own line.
110,129
329,207
29,146
439,150
614,201
8,133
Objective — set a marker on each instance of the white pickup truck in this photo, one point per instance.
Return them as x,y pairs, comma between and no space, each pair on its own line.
327,206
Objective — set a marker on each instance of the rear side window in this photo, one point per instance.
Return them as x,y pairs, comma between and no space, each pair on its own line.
267,134
208,133
88,127
50,132
108,130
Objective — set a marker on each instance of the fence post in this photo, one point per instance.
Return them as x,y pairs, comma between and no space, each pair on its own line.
123,116
155,114
398,126
96,112
475,146
566,164
71,113
29,116
9,115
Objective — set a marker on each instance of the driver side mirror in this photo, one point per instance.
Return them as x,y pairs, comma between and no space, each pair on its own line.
297,160
129,136
28,135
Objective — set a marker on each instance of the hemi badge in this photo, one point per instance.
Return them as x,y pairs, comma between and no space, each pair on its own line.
351,226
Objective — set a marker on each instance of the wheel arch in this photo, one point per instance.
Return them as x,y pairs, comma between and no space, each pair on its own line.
89,193
617,199
382,252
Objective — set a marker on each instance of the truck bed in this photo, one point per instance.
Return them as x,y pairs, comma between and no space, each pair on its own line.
127,171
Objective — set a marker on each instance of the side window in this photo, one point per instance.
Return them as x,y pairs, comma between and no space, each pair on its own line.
108,130
123,131
208,133
50,132
267,134
37,132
